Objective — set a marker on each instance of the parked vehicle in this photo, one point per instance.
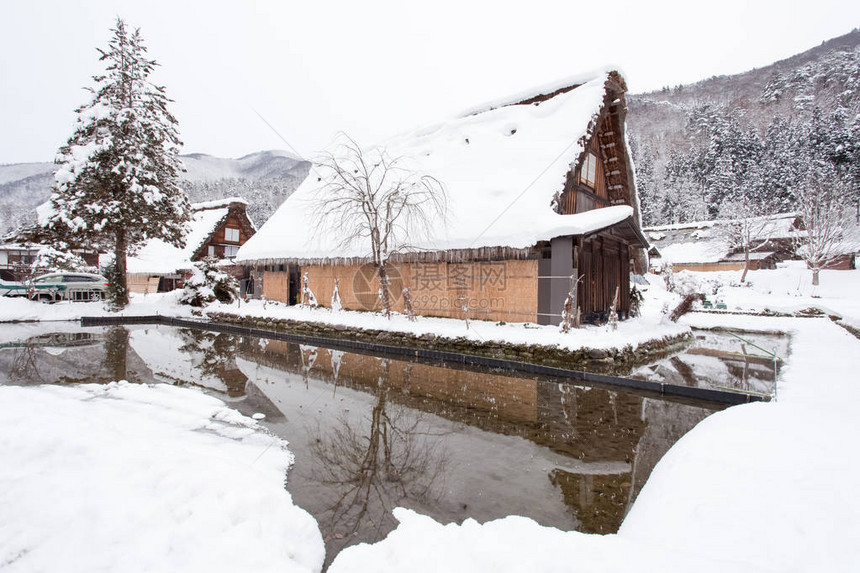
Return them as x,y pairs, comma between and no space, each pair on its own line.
12,288
54,287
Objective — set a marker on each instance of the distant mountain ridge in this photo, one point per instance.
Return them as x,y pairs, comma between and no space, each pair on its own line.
264,178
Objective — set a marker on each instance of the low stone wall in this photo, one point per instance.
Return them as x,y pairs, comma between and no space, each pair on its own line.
609,361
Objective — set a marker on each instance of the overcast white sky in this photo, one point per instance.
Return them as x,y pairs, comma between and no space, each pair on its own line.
372,68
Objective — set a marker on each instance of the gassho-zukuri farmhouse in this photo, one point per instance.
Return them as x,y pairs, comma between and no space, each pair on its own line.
540,187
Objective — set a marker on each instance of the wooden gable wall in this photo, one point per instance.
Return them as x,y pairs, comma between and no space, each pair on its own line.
236,218
607,143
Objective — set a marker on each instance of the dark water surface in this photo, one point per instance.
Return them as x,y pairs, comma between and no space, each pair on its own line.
371,434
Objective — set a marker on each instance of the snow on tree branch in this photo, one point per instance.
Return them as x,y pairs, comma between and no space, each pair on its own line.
116,183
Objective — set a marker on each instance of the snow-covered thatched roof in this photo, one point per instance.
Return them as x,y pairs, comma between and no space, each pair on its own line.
501,166
158,257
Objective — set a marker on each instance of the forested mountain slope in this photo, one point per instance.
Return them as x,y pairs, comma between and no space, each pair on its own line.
702,149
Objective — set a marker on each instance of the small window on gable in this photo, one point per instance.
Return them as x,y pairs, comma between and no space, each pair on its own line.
230,251
231,235
588,171
211,250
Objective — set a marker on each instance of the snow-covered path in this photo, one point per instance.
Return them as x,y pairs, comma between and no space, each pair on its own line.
759,487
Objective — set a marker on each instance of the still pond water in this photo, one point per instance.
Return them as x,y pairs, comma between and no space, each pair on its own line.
370,434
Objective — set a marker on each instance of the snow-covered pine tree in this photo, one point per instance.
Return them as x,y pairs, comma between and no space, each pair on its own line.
116,183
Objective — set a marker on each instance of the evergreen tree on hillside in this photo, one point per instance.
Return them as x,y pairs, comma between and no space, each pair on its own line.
116,183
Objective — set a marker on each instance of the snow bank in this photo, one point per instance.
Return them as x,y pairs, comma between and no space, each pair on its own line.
708,241
21,309
787,289
759,487
129,478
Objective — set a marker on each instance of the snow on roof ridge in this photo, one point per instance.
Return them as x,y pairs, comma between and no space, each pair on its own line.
572,82
711,222
216,203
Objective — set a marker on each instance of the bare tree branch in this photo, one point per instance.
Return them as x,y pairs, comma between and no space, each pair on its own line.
370,197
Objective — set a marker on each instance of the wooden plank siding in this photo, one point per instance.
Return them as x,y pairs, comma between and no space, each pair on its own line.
490,290
604,265
276,285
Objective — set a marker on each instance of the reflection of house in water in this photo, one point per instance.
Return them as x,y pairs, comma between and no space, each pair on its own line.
593,435
55,356
192,357
722,360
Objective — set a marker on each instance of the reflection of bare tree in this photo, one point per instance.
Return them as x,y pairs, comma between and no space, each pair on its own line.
217,352
374,469
25,369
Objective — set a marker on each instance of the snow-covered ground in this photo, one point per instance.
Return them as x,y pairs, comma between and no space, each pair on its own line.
22,310
162,478
129,477
788,289
759,487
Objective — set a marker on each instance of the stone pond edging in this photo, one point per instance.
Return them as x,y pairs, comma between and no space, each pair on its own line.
599,359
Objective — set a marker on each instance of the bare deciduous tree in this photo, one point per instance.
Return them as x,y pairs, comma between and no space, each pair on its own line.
822,203
368,195
749,227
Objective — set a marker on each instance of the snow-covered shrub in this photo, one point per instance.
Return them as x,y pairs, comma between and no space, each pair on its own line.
336,303
407,304
685,306
612,320
51,260
636,300
208,284
308,297
668,274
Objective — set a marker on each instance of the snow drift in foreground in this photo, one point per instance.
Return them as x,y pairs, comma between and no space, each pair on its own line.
759,487
129,477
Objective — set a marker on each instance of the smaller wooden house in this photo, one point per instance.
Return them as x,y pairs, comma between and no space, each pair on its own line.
217,229
707,245
15,258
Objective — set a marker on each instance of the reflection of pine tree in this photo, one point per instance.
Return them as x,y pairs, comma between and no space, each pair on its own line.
217,353
116,352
